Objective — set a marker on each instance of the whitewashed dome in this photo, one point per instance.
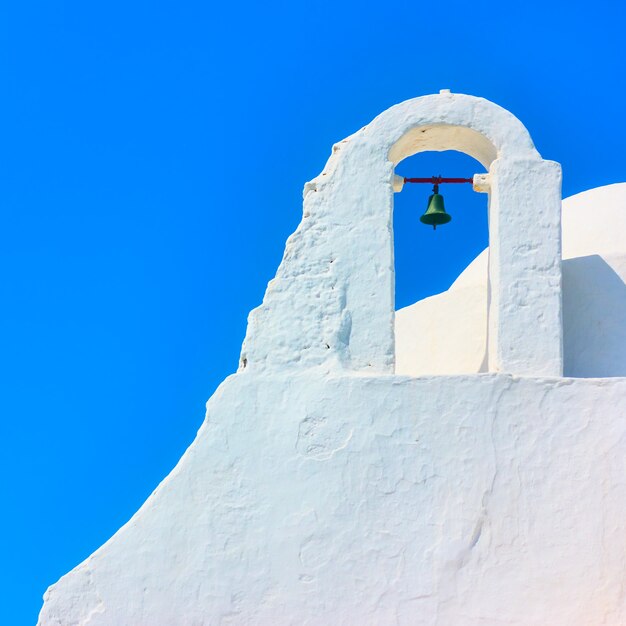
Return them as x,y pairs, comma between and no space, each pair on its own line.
594,300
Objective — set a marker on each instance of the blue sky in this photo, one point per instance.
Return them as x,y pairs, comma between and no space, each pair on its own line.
153,156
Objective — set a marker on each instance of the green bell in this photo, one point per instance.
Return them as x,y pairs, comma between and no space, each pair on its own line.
435,213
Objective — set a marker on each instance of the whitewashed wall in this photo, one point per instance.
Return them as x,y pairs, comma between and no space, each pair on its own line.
357,500
322,489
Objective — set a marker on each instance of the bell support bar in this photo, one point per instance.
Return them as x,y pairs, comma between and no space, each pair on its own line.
480,182
437,180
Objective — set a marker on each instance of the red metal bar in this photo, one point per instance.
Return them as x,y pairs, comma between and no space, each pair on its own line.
437,180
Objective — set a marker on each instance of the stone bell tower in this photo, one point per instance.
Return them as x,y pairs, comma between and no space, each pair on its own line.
323,488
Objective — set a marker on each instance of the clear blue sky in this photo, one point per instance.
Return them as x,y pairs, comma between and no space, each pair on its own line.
152,162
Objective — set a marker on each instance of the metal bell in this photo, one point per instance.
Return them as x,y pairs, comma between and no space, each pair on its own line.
435,213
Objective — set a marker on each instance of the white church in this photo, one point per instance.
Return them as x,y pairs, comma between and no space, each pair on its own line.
459,462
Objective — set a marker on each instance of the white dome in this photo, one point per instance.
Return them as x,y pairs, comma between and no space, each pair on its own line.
447,333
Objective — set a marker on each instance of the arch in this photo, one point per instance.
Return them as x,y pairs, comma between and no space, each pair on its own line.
459,122
332,301
442,137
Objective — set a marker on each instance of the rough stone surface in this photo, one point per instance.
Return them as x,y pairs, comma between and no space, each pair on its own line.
323,489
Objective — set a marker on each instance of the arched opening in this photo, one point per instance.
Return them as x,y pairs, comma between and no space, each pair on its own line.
428,261
440,324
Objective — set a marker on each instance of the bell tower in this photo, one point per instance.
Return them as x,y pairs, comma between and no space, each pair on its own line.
342,253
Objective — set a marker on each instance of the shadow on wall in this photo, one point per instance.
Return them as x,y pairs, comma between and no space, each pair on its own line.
594,319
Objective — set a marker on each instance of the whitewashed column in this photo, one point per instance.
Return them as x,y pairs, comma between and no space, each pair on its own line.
525,327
